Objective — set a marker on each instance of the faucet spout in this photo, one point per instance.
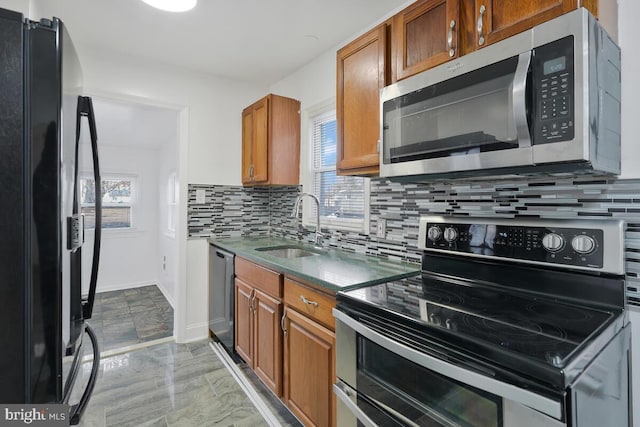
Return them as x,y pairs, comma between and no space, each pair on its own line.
296,210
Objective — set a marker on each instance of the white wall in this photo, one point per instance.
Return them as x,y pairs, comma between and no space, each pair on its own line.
21,6
167,268
128,258
209,149
214,104
628,36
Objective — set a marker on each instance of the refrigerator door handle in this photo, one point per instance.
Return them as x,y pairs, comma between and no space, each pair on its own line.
85,108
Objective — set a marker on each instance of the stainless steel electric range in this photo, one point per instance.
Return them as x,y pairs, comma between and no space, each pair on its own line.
511,323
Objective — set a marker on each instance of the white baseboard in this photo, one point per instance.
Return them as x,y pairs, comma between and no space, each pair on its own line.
122,286
195,332
166,294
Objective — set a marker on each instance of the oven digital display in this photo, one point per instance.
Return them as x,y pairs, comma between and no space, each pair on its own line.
554,65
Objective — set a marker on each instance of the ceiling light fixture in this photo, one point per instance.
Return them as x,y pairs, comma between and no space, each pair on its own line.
172,5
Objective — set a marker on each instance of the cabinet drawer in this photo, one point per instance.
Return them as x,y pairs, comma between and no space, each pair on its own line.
313,304
259,277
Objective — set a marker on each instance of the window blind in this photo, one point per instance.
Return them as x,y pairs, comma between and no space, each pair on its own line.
341,197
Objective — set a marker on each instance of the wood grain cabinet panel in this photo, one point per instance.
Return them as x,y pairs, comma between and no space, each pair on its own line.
243,324
426,34
257,321
309,370
316,305
268,341
271,142
361,74
496,20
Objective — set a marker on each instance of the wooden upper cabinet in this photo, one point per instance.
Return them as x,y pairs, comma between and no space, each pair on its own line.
426,34
247,145
361,67
260,147
271,142
497,20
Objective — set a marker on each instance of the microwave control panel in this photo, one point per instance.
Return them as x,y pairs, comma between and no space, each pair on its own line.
553,92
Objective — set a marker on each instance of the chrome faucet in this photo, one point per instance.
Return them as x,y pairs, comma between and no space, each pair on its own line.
296,209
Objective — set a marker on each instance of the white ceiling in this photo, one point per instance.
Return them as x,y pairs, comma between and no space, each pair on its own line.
134,125
257,40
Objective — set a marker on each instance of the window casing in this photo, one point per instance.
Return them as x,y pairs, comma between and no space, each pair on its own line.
118,196
343,199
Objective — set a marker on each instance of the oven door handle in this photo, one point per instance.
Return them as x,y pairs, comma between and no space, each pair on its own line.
343,392
535,401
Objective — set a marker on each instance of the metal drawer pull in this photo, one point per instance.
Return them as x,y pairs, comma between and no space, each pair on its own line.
284,330
308,302
480,36
452,51
252,300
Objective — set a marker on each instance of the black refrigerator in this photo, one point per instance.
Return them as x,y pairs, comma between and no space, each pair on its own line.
42,309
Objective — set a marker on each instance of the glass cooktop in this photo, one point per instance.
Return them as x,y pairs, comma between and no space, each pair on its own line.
544,330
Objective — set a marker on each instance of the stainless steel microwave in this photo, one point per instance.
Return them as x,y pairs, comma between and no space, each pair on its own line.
545,100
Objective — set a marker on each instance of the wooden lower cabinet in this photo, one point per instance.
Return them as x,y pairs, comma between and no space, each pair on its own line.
267,340
243,324
257,321
297,363
309,370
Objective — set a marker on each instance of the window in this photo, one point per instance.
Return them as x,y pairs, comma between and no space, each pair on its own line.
343,199
117,199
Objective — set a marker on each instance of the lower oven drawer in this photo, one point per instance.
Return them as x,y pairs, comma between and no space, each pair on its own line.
378,384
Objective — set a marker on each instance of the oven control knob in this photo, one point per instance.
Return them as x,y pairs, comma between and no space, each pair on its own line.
553,242
434,233
583,244
450,234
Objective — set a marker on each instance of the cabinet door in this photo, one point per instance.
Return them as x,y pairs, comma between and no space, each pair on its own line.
361,75
247,145
309,370
267,345
426,34
497,20
243,324
261,140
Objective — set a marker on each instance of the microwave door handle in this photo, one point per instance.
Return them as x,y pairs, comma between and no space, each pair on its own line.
518,98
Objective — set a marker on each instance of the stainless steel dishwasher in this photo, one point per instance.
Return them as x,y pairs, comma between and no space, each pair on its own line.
221,296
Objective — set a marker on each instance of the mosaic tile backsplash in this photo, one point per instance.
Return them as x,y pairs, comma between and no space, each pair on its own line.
231,211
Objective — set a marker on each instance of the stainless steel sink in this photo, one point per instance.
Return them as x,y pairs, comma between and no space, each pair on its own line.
287,251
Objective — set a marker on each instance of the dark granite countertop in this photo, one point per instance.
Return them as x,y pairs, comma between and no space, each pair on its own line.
332,269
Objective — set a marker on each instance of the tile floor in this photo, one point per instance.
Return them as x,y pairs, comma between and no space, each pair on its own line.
165,384
131,316
171,385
